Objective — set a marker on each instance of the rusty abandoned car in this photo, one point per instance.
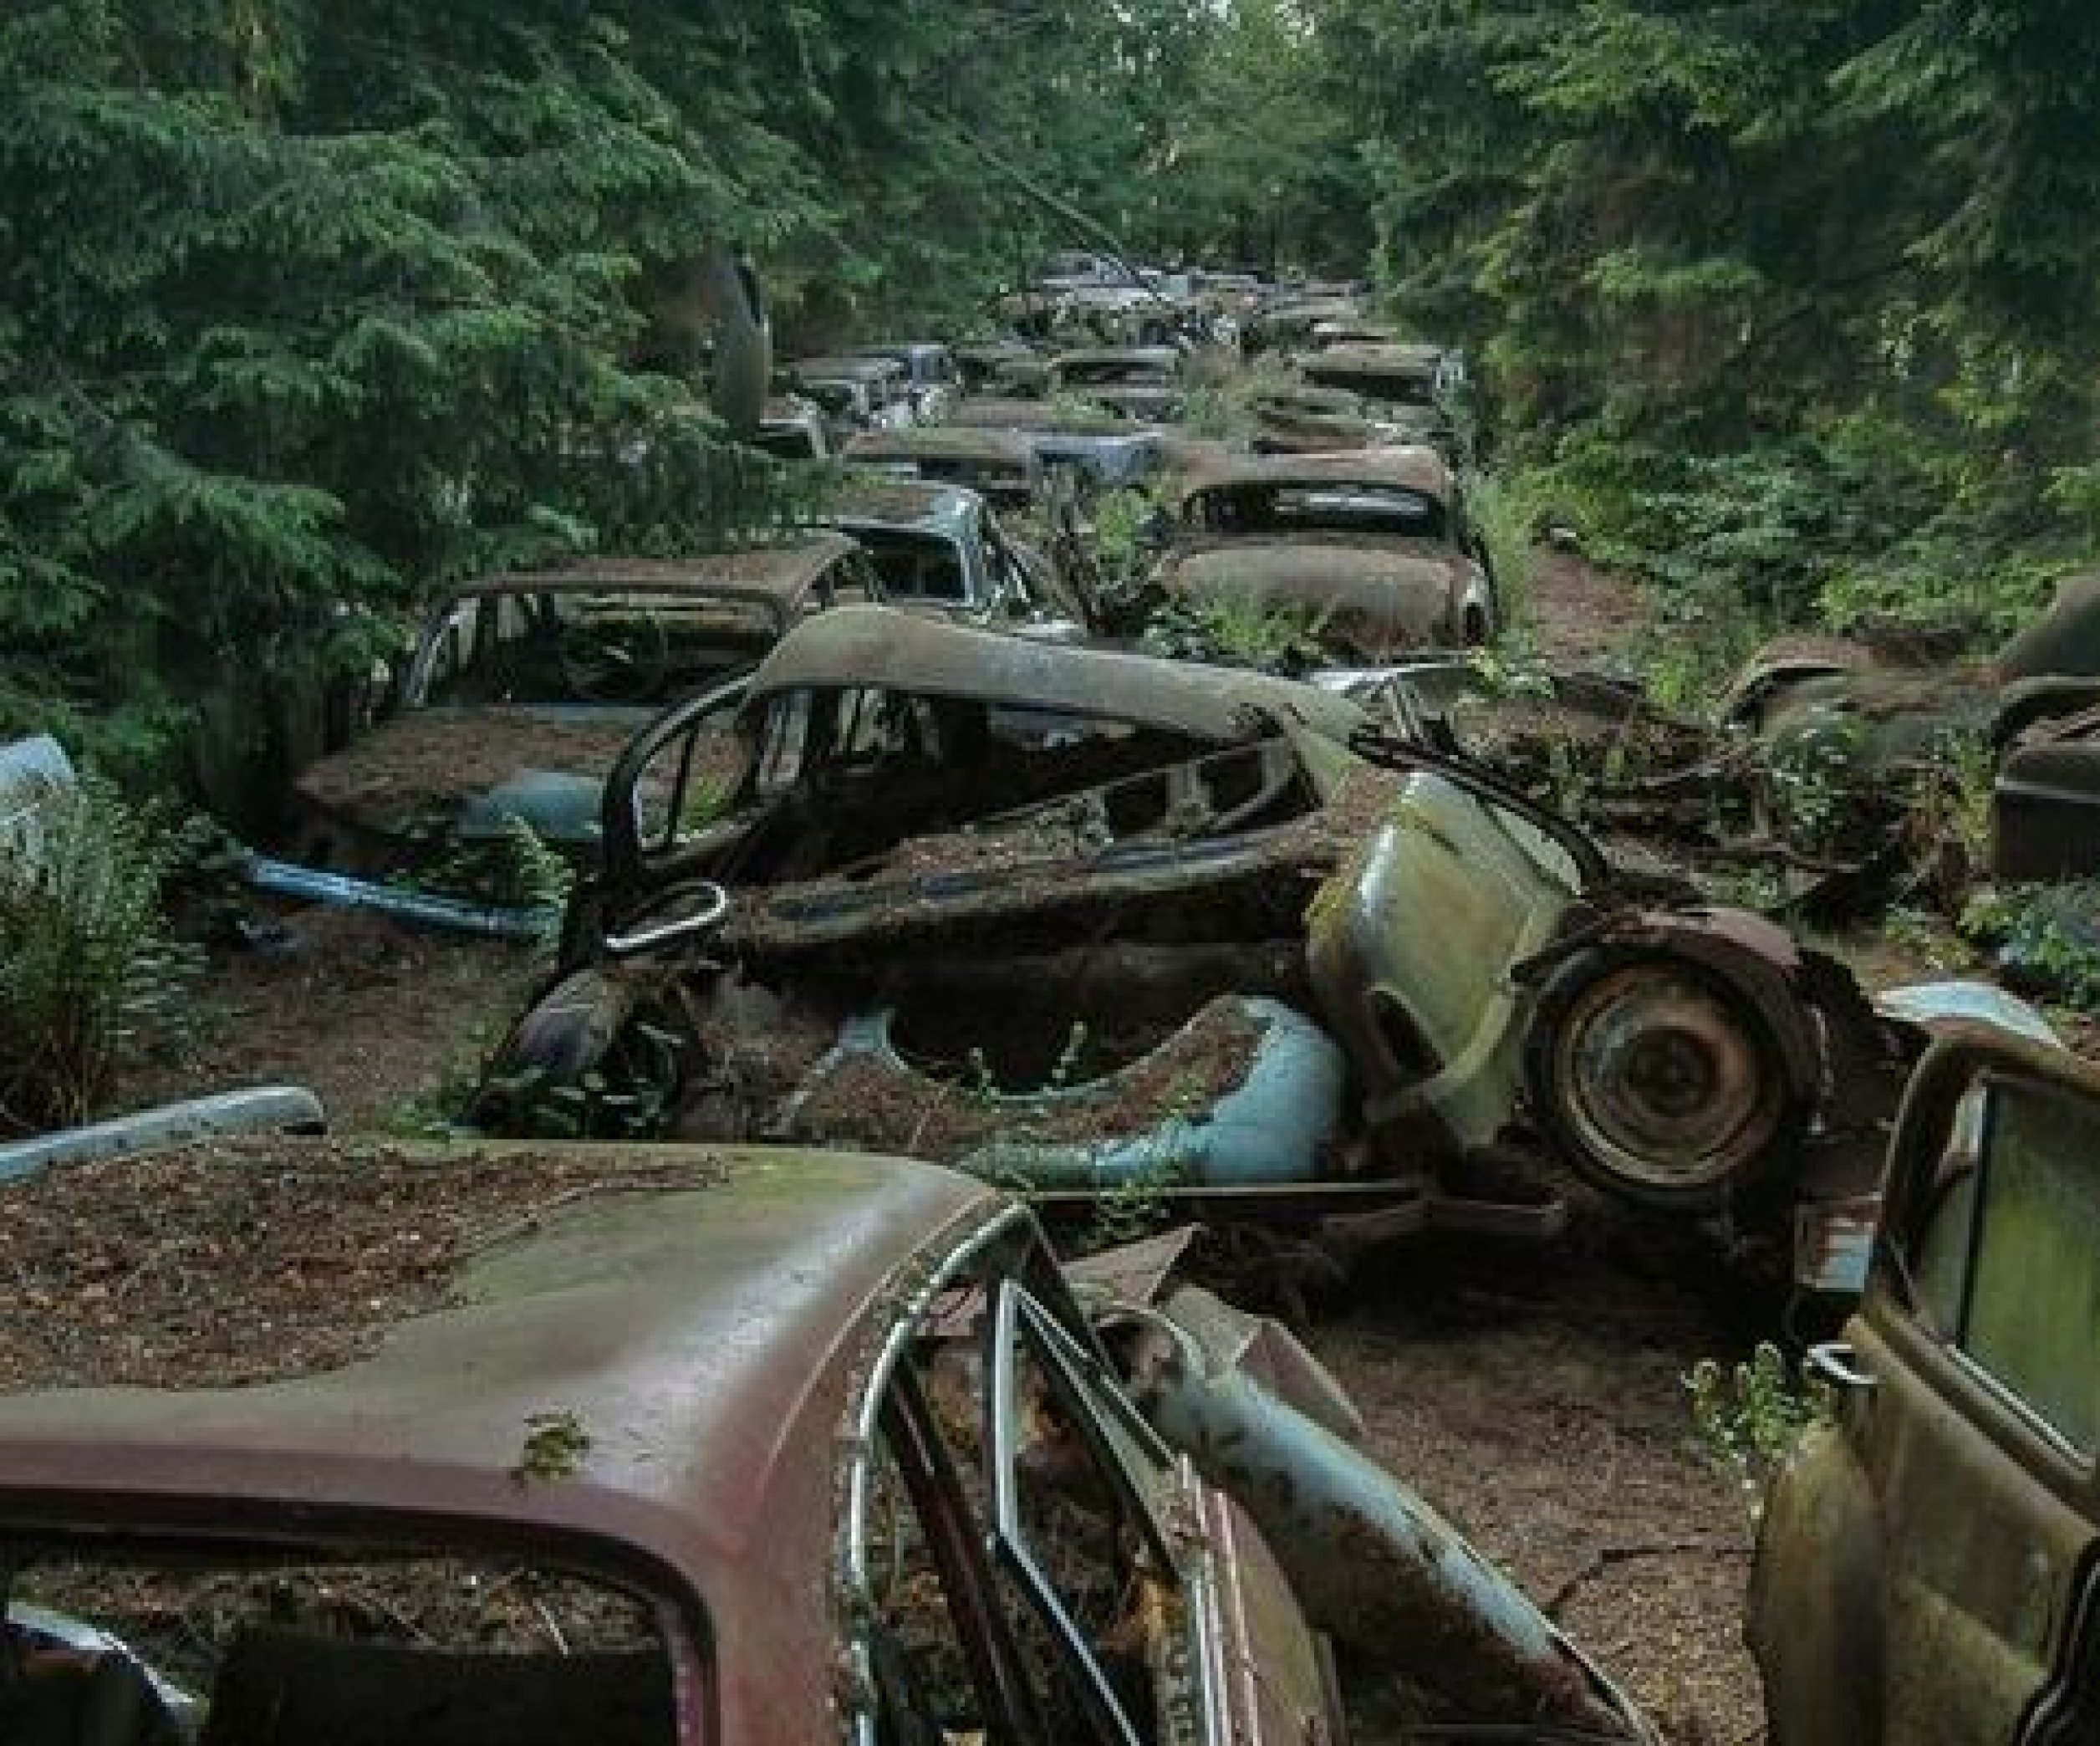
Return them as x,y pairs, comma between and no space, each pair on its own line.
1412,385
1303,420
1370,548
1003,467
1101,449
1280,965
522,688
1139,381
932,377
1849,730
857,393
943,548
656,1446
1928,1565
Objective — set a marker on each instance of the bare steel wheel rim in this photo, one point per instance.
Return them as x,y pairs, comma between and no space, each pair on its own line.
1661,1081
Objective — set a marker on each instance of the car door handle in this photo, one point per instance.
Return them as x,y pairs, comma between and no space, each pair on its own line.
1833,1361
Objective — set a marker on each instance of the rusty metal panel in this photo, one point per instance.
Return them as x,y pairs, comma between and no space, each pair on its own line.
1370,596
1370,1562
703,1342
873,646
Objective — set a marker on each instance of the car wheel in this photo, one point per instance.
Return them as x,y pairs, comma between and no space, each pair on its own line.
1658,1080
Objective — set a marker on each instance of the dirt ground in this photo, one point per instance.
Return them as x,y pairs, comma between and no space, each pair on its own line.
1537,1400
1579,615
379,1019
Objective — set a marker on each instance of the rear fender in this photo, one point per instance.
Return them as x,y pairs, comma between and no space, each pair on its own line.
568,1029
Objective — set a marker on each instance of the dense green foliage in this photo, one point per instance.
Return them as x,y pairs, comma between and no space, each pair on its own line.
1796,302
89,971
304,307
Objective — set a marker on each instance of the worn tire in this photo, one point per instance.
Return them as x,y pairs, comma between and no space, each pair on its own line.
1658,1080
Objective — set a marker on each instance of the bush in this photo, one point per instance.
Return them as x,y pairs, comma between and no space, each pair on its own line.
1232,629
2047,938
88,968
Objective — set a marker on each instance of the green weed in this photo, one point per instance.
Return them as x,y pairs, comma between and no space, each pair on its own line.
1501,511
1749,1415
2048,937
1231,628
89,972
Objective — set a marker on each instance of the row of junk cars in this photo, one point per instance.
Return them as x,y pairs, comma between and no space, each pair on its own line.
718,1381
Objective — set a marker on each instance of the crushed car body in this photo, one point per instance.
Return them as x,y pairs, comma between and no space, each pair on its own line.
1850,730
1279,961
658,1446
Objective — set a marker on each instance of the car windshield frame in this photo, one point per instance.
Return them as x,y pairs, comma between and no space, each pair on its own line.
499,625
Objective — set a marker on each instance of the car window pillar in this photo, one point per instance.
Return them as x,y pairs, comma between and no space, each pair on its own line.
955,1542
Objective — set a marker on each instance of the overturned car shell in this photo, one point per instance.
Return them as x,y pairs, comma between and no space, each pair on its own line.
1204,917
